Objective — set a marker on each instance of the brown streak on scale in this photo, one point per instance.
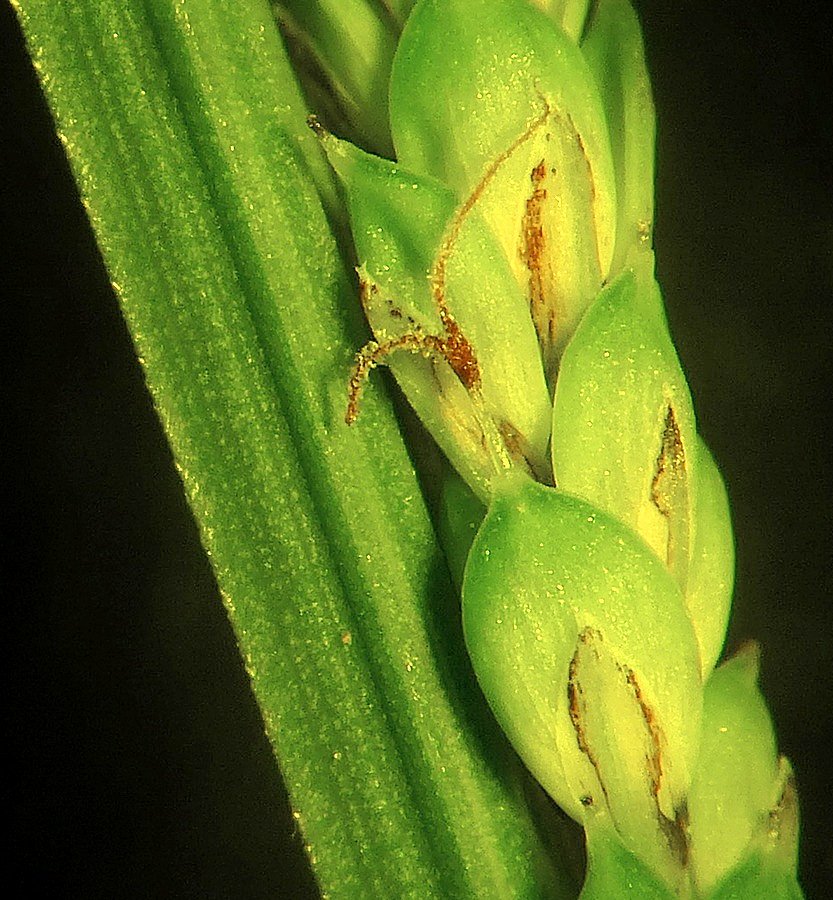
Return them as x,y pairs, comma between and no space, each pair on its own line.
673,830
655,759
533,249
783,817
670,462
677,836
575,699
669,471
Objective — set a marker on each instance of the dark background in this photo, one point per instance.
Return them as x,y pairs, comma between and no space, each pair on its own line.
141,768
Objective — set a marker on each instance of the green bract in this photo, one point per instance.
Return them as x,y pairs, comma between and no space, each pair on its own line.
398,223
739,760
509,113
623,424
604,710
624,437
712,568
614,53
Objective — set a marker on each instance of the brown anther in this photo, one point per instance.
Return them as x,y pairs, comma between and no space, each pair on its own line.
577,704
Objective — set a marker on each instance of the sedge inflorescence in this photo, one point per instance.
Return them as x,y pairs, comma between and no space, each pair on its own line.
507,274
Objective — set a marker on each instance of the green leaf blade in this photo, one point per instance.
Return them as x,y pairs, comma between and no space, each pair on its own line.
187,140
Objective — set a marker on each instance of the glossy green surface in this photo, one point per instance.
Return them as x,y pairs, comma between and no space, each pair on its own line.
580,640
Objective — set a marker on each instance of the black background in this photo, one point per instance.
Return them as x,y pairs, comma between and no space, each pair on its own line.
140,768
